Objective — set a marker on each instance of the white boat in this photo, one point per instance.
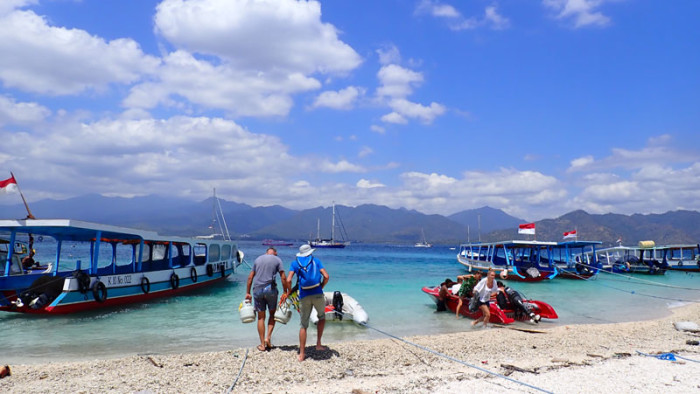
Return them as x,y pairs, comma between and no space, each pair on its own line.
423,243
351,310
332,242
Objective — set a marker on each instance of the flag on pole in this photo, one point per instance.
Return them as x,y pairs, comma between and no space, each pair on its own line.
527,228
8,185
570,234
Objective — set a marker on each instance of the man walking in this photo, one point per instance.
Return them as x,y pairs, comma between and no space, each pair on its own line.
262,277
312,278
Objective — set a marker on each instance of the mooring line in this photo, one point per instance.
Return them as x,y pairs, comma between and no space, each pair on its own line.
239,372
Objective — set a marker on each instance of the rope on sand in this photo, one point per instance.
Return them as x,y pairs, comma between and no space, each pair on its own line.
667,356
453,359
239,372
646,281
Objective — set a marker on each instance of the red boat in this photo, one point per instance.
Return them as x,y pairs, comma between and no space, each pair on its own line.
498,315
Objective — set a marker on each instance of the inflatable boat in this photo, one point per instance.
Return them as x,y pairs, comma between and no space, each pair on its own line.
350,310
498,315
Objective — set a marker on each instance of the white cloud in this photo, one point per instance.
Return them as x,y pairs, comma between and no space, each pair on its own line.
12,112
365,151
456,21
201,83
394,117
343,99
389,55
366,184
267,36
340,166
6,6
583,12
377,129
40,58
408,109
396,81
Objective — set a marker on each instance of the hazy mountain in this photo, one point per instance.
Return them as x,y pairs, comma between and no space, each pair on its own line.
365,223
485,219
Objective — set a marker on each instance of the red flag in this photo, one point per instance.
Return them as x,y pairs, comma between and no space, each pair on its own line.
8,185
526,228
570,234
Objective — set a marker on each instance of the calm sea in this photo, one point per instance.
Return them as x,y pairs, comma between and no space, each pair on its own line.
386,280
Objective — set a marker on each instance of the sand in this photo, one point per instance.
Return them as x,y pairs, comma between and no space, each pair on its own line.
587,358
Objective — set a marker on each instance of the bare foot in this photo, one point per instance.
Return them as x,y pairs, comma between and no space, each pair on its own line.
262,348
268,345
475,322
301,357
321,347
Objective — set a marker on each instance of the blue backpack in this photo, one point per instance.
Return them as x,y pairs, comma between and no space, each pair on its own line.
309,275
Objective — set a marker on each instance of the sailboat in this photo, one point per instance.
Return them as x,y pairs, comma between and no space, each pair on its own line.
332,242
423,243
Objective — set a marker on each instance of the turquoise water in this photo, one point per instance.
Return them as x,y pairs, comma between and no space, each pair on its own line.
385,280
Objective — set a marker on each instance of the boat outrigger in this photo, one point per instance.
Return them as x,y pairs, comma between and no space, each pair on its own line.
89,266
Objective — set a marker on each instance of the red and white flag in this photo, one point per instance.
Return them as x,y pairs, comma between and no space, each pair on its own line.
8,185
570,234
527,228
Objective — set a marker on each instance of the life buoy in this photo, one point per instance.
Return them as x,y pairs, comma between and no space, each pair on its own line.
193,274
174,281
99,291
210,270
145,285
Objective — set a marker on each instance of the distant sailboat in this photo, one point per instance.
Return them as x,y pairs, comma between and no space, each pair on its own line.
332,242
423,243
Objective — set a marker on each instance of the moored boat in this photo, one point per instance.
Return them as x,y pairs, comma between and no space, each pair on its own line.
526,261
274,242
351,310
331,242
642,259
498,315
573,262
685,257
90,266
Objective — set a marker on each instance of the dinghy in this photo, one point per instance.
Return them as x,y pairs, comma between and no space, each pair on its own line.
350,309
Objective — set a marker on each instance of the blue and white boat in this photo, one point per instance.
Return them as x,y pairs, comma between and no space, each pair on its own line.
682,257
576,259
642,259
526,261
82,266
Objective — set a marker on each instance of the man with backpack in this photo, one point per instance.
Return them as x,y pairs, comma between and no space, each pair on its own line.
312,278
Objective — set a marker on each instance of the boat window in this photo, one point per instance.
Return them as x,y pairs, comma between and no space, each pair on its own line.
214,253
200,254
124,254
185,253
226,252
106,256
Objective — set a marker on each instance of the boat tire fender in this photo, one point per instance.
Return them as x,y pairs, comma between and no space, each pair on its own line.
223,270
145,285
83,281
193,274
174,281
210,270
99,291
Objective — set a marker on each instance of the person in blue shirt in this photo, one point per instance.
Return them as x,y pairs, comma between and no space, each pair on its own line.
310,294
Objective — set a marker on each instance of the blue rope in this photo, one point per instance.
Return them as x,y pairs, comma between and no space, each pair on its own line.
239,372
667,356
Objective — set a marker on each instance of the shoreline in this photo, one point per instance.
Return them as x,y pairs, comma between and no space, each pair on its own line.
568,358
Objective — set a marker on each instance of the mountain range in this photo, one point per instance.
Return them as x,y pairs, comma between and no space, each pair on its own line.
365,223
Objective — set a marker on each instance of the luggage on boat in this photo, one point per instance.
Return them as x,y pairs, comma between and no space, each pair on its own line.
246,311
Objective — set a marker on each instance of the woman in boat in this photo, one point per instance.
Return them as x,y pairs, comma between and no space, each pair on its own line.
484,290
465,291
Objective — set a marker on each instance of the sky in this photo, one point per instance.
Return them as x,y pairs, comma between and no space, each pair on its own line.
535,107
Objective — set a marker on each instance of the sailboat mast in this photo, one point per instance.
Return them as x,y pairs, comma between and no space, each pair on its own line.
333,223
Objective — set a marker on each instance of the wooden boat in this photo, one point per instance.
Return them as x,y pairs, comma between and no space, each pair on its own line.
498,315
526,261
90,266
573,262
641,259
685,257
351,310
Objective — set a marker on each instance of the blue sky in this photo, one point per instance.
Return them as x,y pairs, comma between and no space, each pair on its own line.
534,107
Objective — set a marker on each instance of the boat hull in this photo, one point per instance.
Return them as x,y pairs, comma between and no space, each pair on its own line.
498,315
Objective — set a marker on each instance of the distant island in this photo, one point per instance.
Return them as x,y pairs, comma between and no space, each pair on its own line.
367,223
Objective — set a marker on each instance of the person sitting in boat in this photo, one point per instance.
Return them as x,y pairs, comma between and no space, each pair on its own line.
465,290
28,261
507,298
484,290
443,293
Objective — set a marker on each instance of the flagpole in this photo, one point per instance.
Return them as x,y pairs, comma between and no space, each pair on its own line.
29,212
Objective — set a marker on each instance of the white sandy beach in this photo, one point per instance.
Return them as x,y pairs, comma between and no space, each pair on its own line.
563,359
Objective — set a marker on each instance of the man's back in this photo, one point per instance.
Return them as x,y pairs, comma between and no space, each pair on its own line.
266,267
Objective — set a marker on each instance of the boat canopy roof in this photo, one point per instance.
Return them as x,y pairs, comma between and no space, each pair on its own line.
75,230
513,243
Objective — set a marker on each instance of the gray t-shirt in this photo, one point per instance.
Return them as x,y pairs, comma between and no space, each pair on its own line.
265,268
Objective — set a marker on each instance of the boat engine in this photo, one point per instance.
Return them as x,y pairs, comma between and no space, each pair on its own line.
338,305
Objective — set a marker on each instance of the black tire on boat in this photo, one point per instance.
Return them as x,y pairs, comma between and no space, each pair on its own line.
223,270
83,281
174,281
210,270
145,285
193,274
99,291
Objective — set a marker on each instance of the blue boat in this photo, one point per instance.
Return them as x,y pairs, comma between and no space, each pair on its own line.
642,259
576,259
525,261
61,266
